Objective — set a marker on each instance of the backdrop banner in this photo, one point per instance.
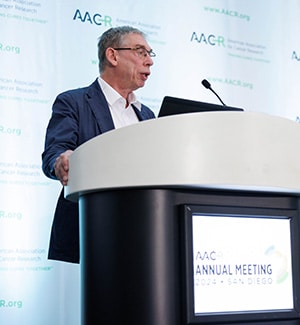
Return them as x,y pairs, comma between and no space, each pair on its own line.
248,50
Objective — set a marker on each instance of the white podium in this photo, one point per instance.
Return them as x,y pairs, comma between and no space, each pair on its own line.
131,184
235,150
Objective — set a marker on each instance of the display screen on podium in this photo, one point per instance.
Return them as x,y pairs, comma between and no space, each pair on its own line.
174,105
241,267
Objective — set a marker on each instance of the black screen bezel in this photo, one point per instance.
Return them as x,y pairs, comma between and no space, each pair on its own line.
244,316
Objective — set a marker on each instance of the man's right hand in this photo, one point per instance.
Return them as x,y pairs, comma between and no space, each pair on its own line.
61,167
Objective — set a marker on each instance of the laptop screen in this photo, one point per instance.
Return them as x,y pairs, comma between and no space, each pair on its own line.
174,105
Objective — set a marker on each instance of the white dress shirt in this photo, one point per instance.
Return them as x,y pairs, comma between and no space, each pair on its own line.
121,115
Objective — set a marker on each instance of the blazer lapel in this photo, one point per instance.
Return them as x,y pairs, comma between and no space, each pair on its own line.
139,114
98,104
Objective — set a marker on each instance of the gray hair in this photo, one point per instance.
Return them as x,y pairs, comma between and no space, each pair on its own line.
113,37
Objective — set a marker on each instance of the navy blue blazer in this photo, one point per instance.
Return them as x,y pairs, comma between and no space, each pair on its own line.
77,116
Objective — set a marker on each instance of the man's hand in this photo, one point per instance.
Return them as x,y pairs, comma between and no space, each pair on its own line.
61,167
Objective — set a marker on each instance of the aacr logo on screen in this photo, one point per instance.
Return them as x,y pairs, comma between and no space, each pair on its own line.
210,39
94,18
207,255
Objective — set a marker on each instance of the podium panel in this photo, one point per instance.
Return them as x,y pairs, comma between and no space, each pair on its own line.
129,258
136,254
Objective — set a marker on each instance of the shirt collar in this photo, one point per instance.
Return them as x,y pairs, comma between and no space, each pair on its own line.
112,96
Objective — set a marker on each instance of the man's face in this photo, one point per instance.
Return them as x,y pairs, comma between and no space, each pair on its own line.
133,65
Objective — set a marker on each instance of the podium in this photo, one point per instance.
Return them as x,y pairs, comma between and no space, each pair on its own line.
135,186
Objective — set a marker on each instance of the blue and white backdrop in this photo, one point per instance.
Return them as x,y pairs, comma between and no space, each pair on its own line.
248,50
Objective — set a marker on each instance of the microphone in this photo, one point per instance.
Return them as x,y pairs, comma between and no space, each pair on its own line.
207,85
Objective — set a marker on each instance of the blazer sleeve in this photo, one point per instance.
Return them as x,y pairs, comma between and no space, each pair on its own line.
62,131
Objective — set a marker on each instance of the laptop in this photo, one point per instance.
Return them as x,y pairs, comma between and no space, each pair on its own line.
173,105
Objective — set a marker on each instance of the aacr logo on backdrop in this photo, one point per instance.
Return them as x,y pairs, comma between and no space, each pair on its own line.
95,18
208,39
295,56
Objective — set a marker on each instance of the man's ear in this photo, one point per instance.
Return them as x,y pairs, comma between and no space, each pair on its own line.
111,56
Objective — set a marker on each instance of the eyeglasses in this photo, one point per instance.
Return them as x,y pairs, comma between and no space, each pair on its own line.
141,51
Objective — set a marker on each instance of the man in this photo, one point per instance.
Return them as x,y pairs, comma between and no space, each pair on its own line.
78,115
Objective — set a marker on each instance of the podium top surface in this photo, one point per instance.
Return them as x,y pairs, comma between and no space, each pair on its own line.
213,150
